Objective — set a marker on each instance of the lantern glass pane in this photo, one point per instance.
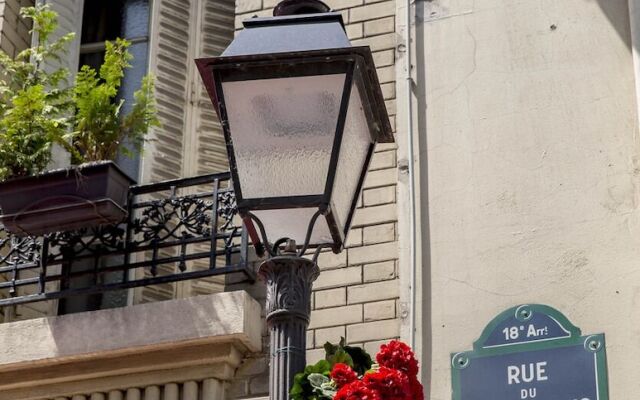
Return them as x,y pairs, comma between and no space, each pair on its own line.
356,142
293,223
282,131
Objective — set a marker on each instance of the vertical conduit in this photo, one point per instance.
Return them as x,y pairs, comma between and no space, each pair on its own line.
412,193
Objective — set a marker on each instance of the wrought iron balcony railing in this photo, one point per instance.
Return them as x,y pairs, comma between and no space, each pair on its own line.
176,230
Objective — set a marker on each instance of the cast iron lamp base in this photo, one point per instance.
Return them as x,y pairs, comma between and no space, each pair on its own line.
289,279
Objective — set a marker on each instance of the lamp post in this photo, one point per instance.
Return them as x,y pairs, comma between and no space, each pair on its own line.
301,110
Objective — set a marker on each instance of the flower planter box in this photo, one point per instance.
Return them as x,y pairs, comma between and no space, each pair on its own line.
63,200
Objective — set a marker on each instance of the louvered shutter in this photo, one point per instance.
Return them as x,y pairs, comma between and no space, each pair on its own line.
69,20
190,141
215,32
170,56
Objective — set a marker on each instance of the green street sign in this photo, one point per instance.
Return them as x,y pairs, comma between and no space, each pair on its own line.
531,352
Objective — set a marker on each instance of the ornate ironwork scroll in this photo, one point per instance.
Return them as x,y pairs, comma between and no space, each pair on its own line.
171,226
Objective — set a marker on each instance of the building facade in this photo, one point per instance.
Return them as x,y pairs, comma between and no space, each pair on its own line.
525,150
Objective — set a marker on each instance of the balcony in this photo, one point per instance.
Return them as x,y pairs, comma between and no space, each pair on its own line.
175,230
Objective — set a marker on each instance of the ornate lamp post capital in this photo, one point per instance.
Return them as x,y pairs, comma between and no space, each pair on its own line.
289,281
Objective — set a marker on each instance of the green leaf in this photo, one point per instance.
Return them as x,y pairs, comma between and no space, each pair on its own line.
297,390
321,367
316,380
340,356
322,386
303,389
361,359
355,357
330,349
328,389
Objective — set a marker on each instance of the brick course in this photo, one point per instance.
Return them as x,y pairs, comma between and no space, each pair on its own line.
15,30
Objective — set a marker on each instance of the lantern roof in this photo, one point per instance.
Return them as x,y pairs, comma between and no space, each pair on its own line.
299,39
283,34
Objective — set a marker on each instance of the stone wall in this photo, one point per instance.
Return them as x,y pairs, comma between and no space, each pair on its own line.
357,293
14,36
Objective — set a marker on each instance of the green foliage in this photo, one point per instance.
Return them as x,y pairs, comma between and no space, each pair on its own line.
355,357
322,386
100,130
38,106
314,382
302,388
33,108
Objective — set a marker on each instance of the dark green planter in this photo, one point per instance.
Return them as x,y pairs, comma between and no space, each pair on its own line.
64,200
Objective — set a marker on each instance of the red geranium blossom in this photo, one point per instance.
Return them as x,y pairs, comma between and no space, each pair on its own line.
417,391
397,355
392,384
342,374
357,390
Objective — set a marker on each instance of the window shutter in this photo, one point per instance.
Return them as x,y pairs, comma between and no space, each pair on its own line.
169,62
215,32
170,51
190,141
69,20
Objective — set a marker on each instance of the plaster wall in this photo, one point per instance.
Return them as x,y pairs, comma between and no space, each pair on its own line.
529,164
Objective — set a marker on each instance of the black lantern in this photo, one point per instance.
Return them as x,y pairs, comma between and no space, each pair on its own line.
301,111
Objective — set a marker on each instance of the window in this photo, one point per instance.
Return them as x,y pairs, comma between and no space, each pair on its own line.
106,20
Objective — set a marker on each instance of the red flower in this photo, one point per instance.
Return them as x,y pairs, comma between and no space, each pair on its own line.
417,391
357,390
392,384
342,374
397,355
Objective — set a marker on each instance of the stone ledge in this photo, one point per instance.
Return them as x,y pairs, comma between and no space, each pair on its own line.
194,338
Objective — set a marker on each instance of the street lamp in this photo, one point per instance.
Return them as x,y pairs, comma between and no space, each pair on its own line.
301,110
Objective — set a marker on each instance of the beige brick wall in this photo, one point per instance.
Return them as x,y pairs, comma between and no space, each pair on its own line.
14,31
357,293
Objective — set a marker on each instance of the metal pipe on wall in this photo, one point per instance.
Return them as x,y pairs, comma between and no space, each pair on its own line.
411,168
